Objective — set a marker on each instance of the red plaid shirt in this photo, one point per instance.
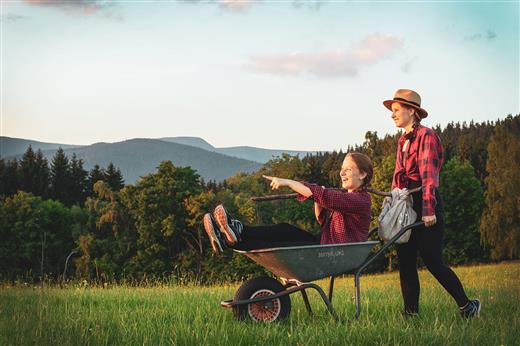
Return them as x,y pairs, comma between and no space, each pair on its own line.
345,217
422,166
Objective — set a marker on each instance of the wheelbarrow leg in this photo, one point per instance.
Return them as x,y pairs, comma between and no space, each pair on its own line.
325,299
331,288
358,297
306,301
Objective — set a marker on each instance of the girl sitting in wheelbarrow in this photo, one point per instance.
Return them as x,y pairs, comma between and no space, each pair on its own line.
344,215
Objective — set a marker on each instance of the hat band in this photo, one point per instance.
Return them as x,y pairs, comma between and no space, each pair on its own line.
400,99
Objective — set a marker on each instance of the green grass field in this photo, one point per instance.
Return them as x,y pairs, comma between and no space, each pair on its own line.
191,315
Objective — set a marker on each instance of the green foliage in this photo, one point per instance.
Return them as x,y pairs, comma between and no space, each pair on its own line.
34,173
108,242
10,179
382,181
500,226
35,236
153,229
78,181
96,174
113,177
60,178
463,198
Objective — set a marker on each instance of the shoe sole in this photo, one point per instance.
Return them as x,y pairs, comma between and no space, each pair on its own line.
210,230
222,222
479,307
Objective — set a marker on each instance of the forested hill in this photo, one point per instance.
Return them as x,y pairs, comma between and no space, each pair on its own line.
139,157
16,146
211,163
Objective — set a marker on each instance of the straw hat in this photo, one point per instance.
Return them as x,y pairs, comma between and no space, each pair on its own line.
409,98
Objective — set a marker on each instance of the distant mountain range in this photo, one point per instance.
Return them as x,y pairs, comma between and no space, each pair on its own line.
244,152
141,156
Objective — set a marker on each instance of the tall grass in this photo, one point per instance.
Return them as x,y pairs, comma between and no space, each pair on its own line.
191,315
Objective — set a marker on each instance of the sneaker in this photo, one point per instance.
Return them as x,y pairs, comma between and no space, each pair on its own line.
229,227
215,238
409,314
471,309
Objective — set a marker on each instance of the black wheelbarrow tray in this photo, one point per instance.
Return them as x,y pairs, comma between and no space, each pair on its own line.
264,299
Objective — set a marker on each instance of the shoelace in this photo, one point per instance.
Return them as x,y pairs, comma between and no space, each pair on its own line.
237,226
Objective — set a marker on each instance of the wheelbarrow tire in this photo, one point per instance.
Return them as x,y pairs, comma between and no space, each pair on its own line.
274,310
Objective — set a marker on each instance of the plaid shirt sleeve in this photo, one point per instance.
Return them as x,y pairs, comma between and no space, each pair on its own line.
337,200
429,164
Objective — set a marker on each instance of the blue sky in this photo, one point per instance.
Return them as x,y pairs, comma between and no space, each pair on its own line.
307,75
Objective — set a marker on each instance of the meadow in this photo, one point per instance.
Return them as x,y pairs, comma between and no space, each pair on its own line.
191,315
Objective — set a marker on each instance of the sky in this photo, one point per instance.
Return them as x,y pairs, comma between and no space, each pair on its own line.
300,75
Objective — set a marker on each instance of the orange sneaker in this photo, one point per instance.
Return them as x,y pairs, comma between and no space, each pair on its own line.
229,227
215,238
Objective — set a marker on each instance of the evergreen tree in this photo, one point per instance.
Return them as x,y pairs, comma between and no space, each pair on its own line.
78,180
3,168
34,173
9,178
96,174
41,187
27,170
60,178
114,178
500,226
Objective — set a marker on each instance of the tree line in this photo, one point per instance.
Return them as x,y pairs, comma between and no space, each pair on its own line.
64,180
60,221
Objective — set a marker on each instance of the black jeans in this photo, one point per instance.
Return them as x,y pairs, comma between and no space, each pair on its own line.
428,242
279,235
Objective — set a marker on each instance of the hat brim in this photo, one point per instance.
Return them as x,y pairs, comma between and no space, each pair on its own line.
422,112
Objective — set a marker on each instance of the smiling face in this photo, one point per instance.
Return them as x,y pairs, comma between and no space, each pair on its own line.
402,116
351,176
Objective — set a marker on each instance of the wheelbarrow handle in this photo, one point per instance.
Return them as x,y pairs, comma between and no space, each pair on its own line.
294,195
274,197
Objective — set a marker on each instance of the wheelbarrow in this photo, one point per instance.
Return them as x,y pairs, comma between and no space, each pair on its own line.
265,299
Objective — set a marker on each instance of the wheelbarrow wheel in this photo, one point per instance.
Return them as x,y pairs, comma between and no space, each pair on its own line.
268,311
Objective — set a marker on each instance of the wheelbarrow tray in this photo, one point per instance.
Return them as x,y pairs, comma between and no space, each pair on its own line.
312,262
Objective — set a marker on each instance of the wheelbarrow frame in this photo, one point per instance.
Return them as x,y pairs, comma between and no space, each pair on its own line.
302,286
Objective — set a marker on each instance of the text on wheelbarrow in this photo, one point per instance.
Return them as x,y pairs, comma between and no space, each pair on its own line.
330,253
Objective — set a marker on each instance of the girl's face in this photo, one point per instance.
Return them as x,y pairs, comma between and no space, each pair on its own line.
402,116
351,176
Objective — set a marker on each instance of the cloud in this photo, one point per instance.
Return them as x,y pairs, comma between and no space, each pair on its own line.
236,5
489,35
335,63
84,7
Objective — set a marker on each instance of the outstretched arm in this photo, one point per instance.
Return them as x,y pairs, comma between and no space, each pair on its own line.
296,186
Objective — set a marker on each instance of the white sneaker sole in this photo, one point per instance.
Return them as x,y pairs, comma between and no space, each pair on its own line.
222,222
210,230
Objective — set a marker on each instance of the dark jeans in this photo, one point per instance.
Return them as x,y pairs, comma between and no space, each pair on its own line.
280,235
428,242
